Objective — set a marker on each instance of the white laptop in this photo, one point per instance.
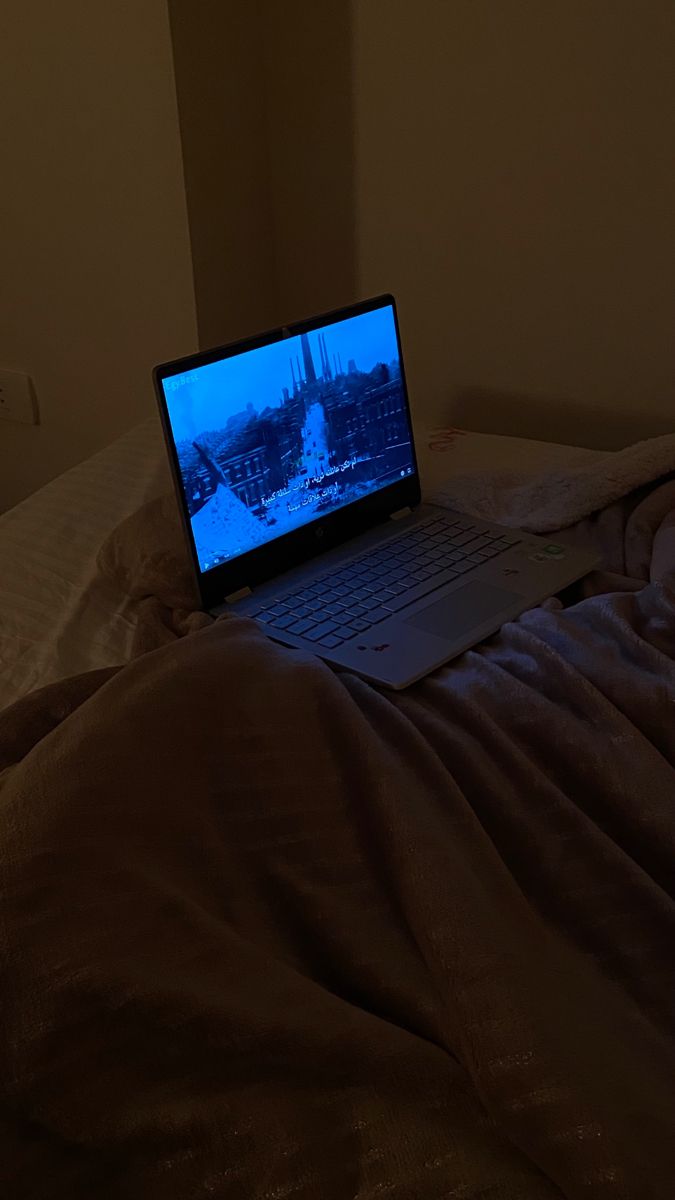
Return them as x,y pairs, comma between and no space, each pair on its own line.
294,463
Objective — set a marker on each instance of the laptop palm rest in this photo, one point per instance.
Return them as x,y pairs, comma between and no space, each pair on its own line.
463,610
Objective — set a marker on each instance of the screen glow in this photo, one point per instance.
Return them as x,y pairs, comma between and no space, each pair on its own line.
272,438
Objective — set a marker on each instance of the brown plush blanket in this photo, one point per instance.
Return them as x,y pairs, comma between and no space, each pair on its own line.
268,932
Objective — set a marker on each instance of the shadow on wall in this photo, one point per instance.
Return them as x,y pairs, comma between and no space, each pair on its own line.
553,419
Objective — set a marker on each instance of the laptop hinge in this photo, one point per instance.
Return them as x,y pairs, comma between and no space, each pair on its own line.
234,596
401,512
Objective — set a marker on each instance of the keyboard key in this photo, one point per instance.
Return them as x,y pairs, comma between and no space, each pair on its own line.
337,607
348,631
360,626
322,630
344,618
301,627
283,622
477,544
378,614
396,603
370,603
331,642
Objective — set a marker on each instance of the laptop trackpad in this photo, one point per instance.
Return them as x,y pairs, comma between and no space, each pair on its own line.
465,609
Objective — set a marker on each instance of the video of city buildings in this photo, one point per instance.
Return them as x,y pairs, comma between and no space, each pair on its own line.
275,437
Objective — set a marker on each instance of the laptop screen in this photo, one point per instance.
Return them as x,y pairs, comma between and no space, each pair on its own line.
268,439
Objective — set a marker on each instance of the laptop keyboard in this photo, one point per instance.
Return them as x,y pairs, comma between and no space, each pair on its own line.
339,605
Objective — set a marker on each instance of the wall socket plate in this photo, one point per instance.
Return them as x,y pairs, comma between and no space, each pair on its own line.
18,401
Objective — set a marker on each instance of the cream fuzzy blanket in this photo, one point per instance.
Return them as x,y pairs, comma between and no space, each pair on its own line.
555,499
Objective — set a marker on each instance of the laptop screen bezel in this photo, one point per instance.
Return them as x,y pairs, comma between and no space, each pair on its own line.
292,549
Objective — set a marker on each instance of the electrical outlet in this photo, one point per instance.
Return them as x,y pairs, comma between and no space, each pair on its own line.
18,401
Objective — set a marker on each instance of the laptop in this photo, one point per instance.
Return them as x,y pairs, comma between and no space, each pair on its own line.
294,463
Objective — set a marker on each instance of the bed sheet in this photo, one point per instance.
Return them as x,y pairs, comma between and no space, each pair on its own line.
60,617
57,615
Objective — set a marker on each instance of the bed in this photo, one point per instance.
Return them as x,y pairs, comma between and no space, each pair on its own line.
60,615
270,931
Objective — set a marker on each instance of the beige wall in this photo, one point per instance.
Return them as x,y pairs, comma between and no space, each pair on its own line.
516,189
265,100
310,106
505,167
96,279
223,121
